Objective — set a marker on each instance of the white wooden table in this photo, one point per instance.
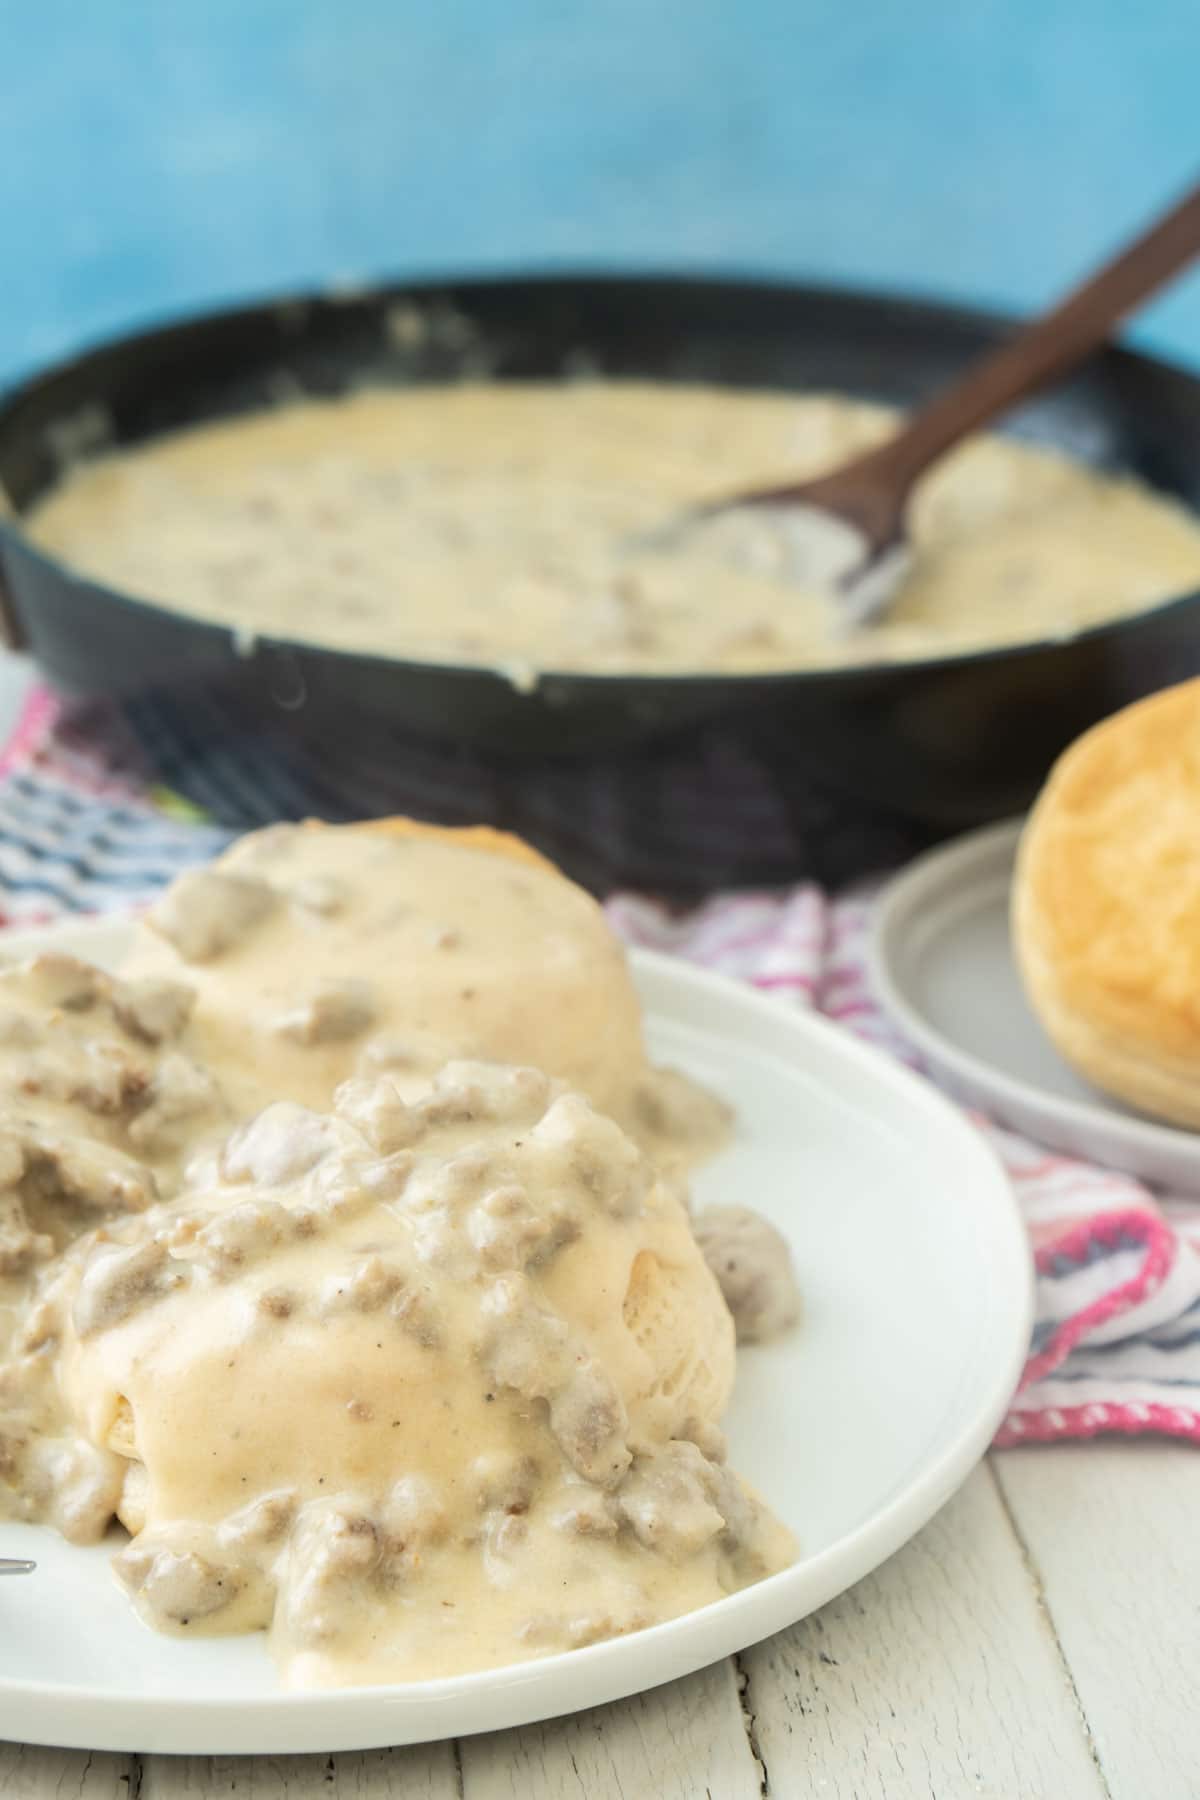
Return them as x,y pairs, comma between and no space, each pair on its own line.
1040,1640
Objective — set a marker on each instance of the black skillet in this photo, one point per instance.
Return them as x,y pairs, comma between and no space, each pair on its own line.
678,782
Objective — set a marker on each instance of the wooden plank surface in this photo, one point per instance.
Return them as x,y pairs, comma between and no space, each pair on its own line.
30,1773
1113,1530
426,1772
936,1678
683,1742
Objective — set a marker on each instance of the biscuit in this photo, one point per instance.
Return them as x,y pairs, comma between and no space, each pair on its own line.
1106,905
318,953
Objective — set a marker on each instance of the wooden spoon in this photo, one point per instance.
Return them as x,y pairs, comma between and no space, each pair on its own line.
846,530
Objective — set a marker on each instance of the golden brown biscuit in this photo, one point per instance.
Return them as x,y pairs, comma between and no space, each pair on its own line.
470,837
1106,905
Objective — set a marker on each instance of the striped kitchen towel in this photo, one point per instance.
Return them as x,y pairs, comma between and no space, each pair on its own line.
1116,1346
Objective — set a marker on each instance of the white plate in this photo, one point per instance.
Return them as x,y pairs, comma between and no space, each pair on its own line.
942,966
856,1427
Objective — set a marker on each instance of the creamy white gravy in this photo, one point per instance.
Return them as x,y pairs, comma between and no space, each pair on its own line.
320,953
421,1367
490,523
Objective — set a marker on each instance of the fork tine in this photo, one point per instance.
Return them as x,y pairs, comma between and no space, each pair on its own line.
16,1565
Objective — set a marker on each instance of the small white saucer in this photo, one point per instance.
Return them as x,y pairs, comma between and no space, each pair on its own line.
941,964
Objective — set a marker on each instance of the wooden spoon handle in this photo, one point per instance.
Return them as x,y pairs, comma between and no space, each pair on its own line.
1050,345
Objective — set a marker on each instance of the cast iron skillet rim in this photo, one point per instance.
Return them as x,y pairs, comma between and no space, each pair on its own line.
914,301
951,315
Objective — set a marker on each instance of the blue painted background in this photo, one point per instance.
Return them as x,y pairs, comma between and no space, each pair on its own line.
157,156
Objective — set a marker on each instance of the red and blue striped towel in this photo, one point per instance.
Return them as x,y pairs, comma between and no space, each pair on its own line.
1116,1346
